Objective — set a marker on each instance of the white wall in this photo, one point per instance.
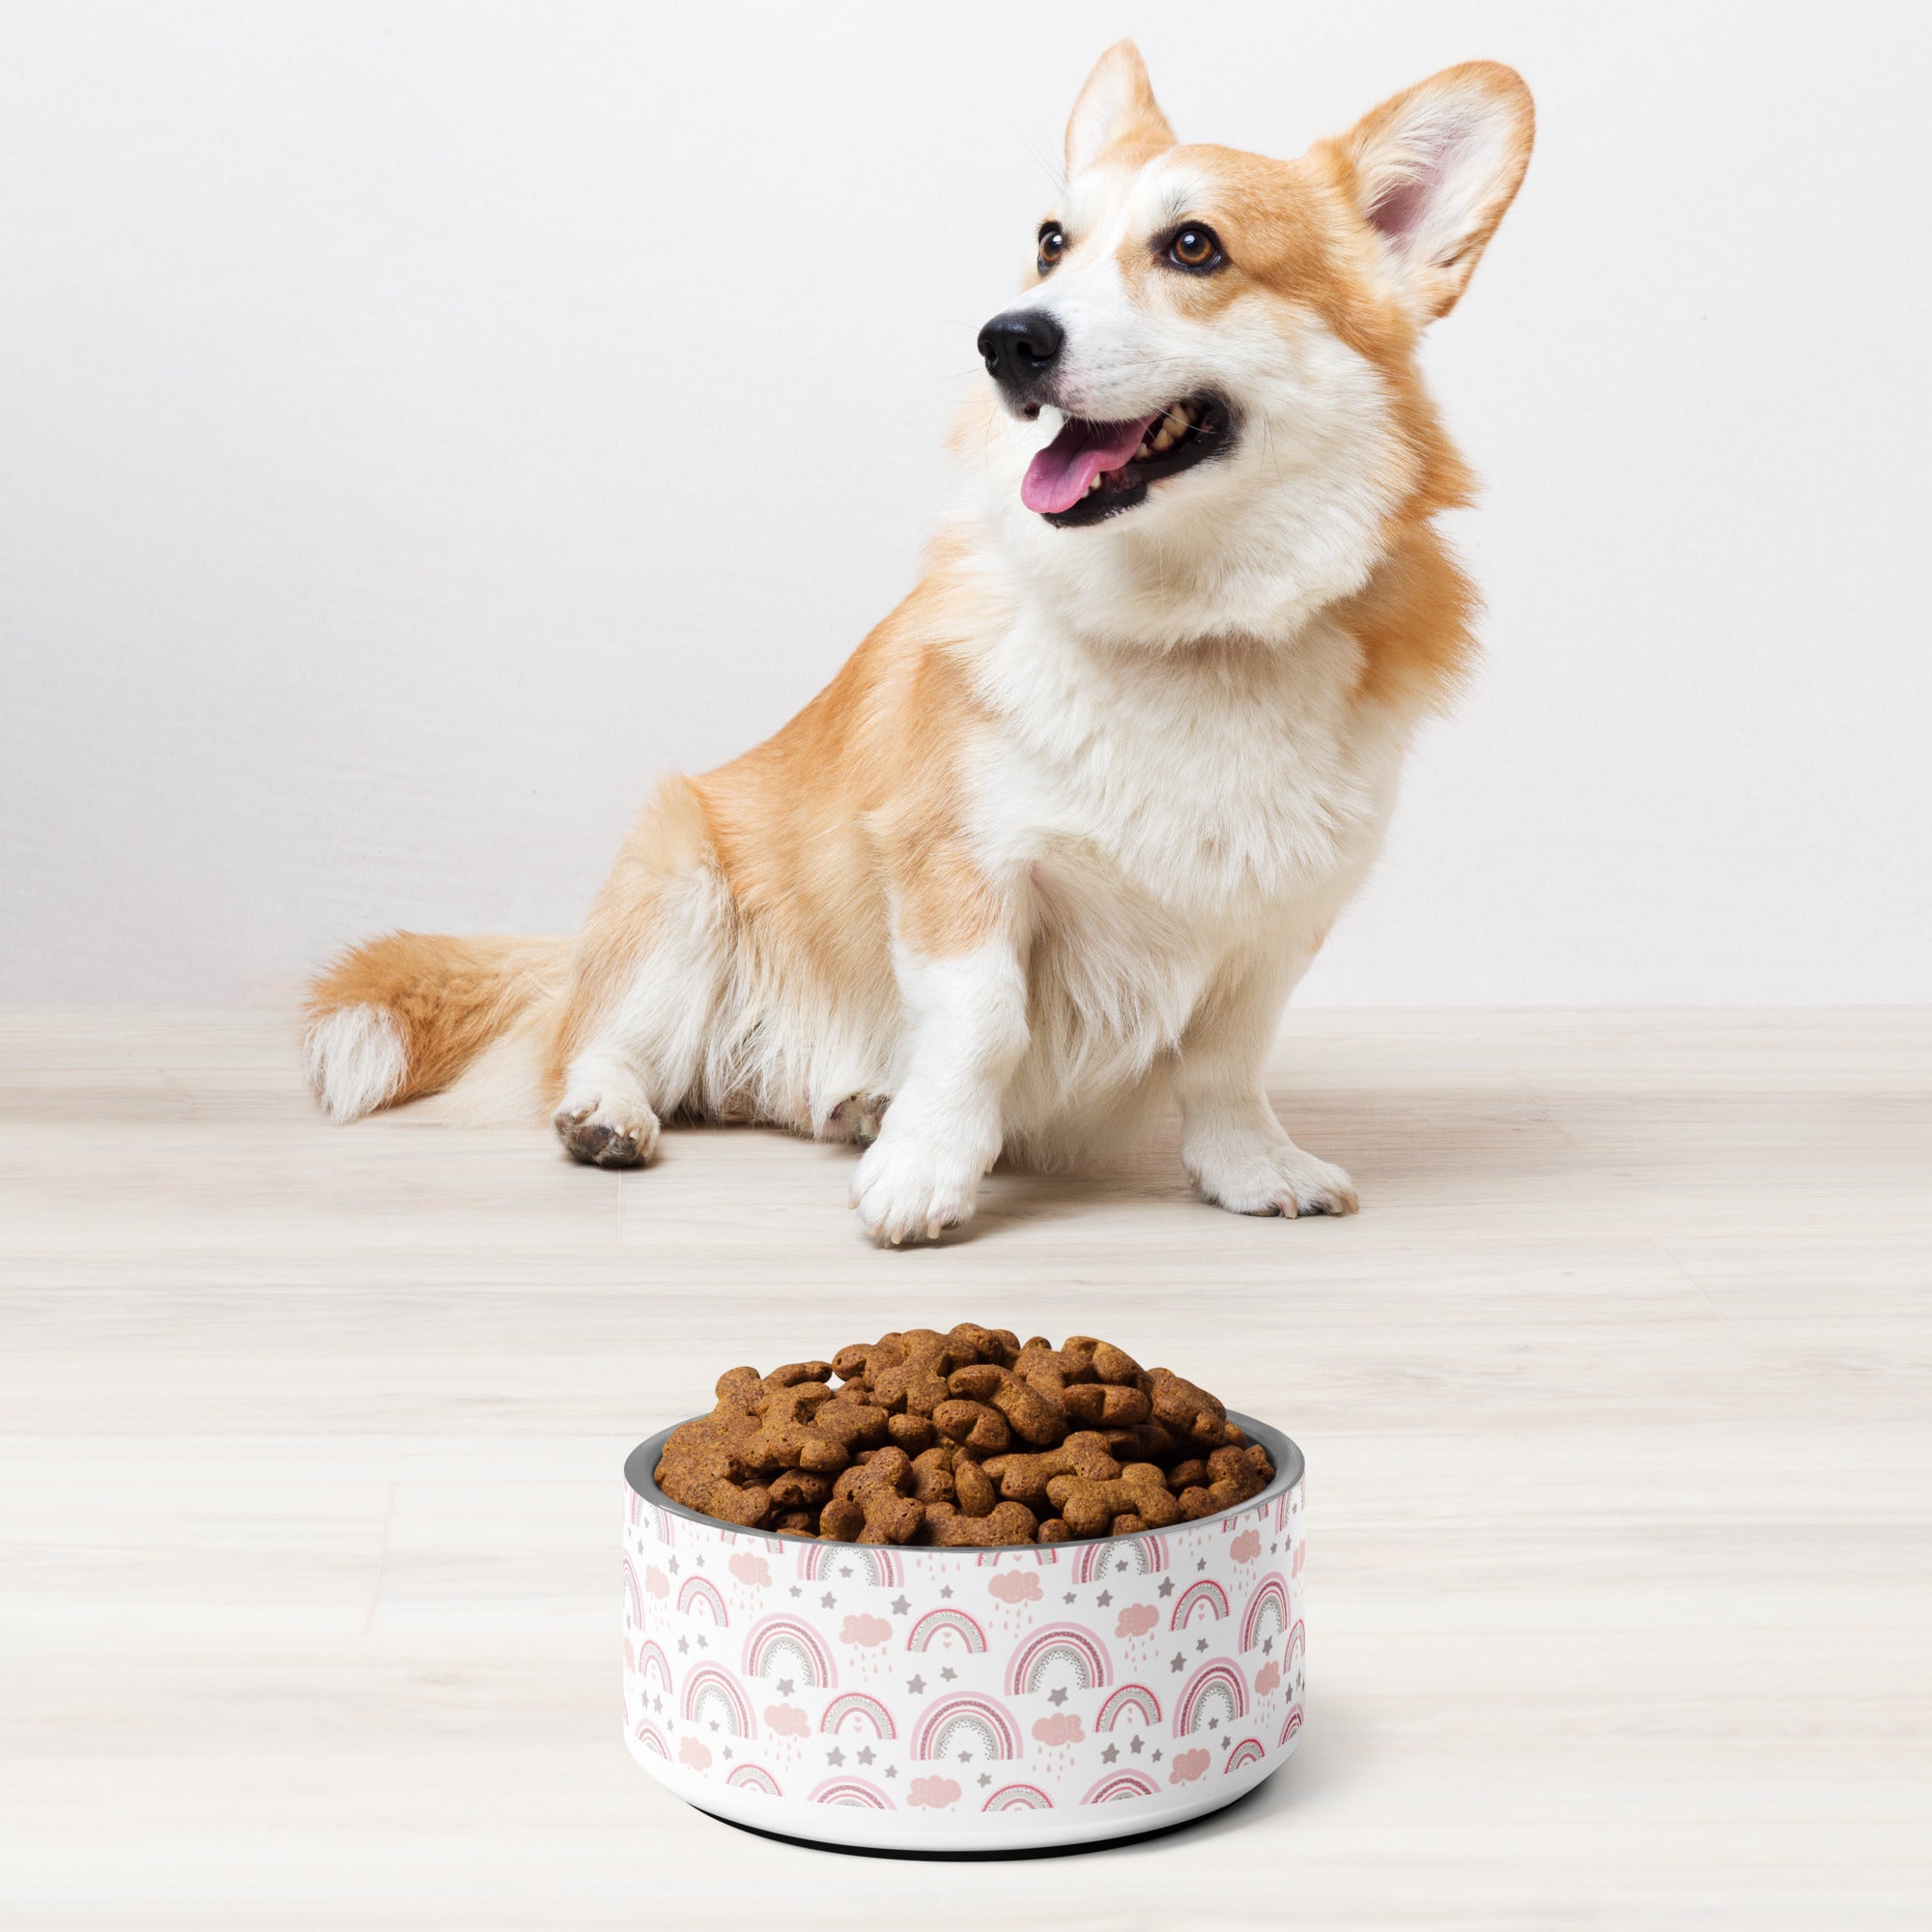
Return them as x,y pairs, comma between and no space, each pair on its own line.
421,424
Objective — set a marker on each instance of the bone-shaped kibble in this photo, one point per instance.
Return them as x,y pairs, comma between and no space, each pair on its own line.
932,1475
1105,1405
971,1423
1090,1507
1034,1418
869,1504
1024,1477
786,1438
1007,1524
1191,1413
1101,1359
800,1490
1233,1475
912,1374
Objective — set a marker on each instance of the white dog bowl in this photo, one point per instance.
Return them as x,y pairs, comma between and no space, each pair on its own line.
919,1699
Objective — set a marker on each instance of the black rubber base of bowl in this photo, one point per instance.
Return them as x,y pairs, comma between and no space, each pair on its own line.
995,1856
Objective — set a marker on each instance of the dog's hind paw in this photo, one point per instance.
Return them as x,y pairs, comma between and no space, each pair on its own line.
606,1130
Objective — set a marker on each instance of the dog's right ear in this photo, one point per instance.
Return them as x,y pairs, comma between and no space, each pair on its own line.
1116,110
1432,172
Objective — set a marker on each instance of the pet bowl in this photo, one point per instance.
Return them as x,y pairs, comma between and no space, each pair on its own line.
918,1700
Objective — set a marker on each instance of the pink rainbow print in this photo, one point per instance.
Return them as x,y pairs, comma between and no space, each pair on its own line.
882,1568
1250,1750
651,1738
1133,1700
945,1626
852,1791
653,1666
1118,1784
1132,1555
1267,1614
1293,1725
787,1646
1202,1595
1018,1797
869,1710
939,1731
712,1695
1295,1649
1060,1644
700,1593
754,1777
634,1597
1218,1689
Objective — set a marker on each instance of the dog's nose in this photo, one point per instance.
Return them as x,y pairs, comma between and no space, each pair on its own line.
1020,347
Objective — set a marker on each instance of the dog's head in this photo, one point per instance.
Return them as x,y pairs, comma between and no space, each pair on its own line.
1203,413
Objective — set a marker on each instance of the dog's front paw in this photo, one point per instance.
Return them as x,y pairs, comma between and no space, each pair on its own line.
906,1189
607,1127
1253,1175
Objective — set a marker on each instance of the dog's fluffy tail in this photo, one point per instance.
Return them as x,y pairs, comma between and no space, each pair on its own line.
404,1014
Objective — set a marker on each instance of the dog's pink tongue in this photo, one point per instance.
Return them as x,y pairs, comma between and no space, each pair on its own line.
1057,478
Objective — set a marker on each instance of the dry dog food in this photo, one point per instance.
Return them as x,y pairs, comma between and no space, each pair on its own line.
969,1437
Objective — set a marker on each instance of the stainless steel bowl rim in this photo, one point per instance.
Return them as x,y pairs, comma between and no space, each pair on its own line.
1290,1465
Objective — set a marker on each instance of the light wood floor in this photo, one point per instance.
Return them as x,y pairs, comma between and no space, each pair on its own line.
1615,1400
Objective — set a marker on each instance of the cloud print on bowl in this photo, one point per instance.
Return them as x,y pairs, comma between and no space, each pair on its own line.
787,1720
933,1793
1015,1586
1058,1730
1187,1767
749,1568
1136,1620
865,1631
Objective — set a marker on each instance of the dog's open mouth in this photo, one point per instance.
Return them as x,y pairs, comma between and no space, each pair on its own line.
1092,470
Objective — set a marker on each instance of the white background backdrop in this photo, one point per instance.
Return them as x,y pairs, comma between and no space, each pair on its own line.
420,425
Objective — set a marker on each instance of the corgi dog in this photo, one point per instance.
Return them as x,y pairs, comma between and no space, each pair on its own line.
1056,844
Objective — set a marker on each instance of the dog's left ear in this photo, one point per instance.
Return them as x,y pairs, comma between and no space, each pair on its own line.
1116,109
1432,172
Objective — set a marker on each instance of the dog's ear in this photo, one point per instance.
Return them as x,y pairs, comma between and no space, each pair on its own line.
1116,109
1433,171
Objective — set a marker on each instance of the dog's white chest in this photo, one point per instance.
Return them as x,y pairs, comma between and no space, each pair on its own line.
1224,789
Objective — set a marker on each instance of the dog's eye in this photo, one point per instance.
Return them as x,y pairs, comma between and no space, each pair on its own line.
1052,244
1195,248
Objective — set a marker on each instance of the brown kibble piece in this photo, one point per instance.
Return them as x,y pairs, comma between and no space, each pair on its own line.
914,1434
914,1371
1089,1507
971,1423
973,1487
932,1476
1008,1525
1034,1418
1108,1405
1191,1413
878,1490
786,1438
1024,1477
1054,1530
799,1490
1101,1359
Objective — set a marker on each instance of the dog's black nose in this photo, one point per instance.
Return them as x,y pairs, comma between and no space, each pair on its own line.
1020,347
